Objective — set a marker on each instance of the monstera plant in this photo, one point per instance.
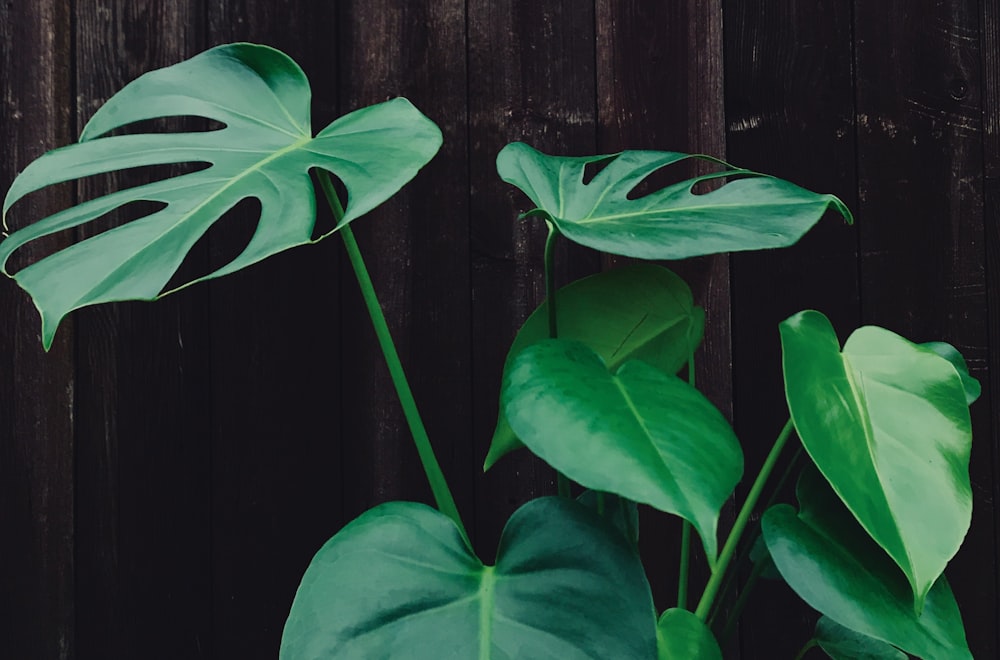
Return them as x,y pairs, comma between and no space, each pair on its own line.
590,385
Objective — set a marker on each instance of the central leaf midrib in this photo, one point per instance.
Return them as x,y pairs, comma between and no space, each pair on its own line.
487,598
681,209
679,493
870,446
298,144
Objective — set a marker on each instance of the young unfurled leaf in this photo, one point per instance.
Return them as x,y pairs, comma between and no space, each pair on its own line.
641,311
752,212
399,582
640,433
265,151
833,565
887,424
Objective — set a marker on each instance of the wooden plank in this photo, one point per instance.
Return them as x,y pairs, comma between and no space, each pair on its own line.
921,187
417,250
276,442
142,417
990,91
36,391
789,112
531,78
659,86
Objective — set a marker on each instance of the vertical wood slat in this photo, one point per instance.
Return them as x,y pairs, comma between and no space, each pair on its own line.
416,248
920,157
659,86
990,94
531,78
36,390
275,328
789,112
141,422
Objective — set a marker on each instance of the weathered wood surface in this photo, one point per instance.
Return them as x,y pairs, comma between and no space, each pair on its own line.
167,470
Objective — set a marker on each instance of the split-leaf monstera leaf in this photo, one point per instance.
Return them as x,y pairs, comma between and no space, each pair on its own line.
265,150
750,212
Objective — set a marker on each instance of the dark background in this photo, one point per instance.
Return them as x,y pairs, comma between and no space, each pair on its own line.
168,470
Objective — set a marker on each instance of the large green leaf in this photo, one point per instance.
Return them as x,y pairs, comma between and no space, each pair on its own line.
829,560
264,151
398,582
842,643
749,213
887,424
680,635
640,433
642,311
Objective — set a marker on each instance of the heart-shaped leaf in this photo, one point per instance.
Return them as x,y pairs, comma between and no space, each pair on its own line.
640,433
642,311
264,151
887,424
829,560
680,635
399,582
750,213
842,643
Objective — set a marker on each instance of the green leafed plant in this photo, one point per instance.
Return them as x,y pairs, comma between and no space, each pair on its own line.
590,385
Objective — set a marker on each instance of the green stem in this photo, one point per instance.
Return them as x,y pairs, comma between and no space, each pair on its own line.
562,483
711,589
802,652
748,547
439,486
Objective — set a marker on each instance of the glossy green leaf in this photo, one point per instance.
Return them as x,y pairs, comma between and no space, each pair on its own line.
642,311
640,433
842,643
620,512
887,424
680,635
749,213
264,151
399,582
829,560
972,387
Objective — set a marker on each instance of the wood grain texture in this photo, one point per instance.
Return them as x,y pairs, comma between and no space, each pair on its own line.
659,86
920,159
142,398
531,79
789,112
990,94
275,331
416,247
36,390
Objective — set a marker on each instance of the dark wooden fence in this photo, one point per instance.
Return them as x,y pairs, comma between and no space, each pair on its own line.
167,471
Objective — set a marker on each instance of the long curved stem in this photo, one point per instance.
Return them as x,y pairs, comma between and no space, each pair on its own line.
708,596
439,486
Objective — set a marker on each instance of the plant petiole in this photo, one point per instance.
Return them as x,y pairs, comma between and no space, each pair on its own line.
439,486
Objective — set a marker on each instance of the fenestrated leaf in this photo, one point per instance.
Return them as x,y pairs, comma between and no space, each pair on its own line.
842,643
399,582
887,424
750,213
972,387
680,635
832,564
640,433
264,151
642,311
